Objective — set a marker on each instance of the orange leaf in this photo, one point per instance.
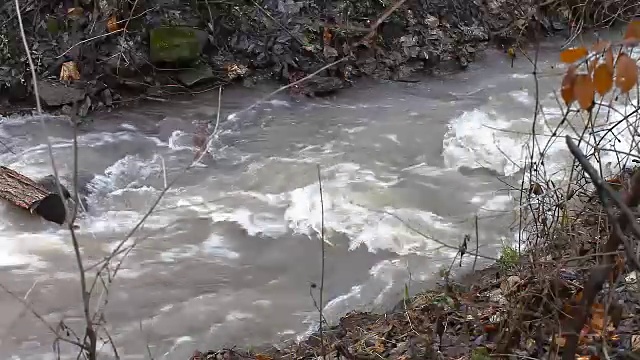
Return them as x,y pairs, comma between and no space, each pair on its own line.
608,59
633,30
568,82
578,296
603,79
573,54
597,321
263,357
601,46
488,328
112,24
584,91
326,36
626,73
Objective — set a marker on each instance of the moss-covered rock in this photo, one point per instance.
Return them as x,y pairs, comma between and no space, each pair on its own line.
174,44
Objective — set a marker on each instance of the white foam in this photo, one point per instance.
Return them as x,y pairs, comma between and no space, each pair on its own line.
215,245
358,214
473,141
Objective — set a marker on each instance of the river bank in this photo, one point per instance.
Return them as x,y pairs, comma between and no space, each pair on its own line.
101,54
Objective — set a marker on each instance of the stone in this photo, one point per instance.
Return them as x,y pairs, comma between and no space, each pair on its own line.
107,97
330,52
175,44
58,94
431,21
85,107
192,76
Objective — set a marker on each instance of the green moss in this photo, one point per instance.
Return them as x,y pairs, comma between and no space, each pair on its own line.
177,45
53,26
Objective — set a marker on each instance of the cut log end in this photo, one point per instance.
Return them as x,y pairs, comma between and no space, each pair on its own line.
32,196
51,208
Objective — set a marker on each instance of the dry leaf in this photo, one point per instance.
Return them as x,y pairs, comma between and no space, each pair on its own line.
635,342
326,36
601,46
568,82
584,91
379,347
75,13
69,71
633,30
608,58
626,73
603,79
263,357
573,54
560,341
112,24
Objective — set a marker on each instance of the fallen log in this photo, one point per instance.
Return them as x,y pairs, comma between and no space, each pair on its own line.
32,196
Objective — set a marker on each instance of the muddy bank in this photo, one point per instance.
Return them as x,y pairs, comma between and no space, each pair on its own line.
101,53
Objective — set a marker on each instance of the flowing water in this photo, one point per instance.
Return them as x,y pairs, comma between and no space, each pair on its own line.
232,250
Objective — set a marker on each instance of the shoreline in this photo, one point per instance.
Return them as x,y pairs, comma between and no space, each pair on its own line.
178,50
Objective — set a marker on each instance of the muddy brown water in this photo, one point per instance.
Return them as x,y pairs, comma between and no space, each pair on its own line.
229,256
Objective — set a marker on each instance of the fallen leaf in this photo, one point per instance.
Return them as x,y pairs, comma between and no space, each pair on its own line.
626,73
112,24
263,357
379,347
633,30
560,341
635,342
568,82
573,54
584,91
69,71
603,79
326,36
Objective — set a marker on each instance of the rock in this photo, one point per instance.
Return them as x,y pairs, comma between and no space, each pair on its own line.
177,44
330,52
57,94
431,21
321,85
190,77
510,284
51,185
85,107
107,98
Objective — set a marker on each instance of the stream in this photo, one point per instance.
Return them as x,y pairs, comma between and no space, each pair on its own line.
232,250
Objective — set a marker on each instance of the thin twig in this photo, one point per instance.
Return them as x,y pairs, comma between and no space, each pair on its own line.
322,248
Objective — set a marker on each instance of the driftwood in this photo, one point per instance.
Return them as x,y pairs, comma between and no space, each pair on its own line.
32,196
